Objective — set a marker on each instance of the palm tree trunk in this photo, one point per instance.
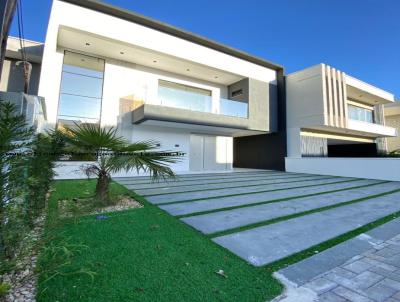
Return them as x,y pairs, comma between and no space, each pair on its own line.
102,190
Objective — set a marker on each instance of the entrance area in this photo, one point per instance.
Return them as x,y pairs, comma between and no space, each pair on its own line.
208,153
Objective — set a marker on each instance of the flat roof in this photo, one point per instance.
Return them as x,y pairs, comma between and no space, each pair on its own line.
172,30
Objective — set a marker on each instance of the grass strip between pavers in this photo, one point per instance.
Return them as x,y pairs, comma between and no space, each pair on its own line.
242,186
292,216
272,201
250,193
181,183
284,262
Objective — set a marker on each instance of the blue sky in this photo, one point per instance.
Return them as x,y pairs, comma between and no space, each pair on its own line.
359,37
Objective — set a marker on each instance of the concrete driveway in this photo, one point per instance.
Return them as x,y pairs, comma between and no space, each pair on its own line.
263,216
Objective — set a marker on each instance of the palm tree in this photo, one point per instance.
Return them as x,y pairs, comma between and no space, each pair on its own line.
113,154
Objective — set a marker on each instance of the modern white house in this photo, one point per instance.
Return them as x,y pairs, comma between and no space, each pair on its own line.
336,124
221,107
153,81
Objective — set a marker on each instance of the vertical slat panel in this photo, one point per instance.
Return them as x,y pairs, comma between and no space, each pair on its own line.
340,99
335,99
325,95
314,146
329,88
345,98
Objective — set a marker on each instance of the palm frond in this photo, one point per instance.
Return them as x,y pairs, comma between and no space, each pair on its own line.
140,157
93,138
115,153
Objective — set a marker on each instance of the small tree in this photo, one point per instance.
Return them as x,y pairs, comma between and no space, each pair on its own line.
113,154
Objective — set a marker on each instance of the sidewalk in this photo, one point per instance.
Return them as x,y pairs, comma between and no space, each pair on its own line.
363,269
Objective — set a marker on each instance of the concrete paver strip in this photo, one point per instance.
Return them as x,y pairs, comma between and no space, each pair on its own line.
208,177
231,201
188,175
187,196
190,182
350,270
224,220
269,243
226,185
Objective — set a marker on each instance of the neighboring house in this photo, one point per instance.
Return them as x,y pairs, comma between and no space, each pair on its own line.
153,81
392,118
12,77
12,80
332,116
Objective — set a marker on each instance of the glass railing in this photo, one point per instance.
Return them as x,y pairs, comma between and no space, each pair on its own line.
176,98
233,108
184,99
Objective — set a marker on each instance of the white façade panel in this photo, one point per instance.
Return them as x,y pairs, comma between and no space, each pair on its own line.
196,154
170,139
229,152
210,153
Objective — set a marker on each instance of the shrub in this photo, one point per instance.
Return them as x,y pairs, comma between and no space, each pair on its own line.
15,138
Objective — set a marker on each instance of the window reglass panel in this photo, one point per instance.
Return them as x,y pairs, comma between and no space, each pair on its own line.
78,106
81,64
81,85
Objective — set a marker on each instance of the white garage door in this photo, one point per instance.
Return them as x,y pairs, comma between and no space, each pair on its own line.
209,153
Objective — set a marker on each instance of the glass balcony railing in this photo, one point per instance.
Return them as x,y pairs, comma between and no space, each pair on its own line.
184,99
176,98
233,108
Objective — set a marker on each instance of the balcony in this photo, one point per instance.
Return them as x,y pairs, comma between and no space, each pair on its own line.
371,128
196,111
177,98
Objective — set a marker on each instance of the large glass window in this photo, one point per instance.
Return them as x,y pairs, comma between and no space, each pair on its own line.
360,114
81,89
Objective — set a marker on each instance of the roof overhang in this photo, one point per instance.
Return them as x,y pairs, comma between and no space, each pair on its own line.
33,50
75,39
166,28
367,93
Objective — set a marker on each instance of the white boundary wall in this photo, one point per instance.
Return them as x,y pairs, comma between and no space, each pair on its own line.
374,168
73,170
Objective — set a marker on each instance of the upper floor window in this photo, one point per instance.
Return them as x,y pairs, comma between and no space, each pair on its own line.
358,113
81,89
183,96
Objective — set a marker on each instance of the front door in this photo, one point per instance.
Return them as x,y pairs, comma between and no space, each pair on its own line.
208,153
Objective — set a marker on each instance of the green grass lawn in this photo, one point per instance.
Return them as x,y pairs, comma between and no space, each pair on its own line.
139,255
